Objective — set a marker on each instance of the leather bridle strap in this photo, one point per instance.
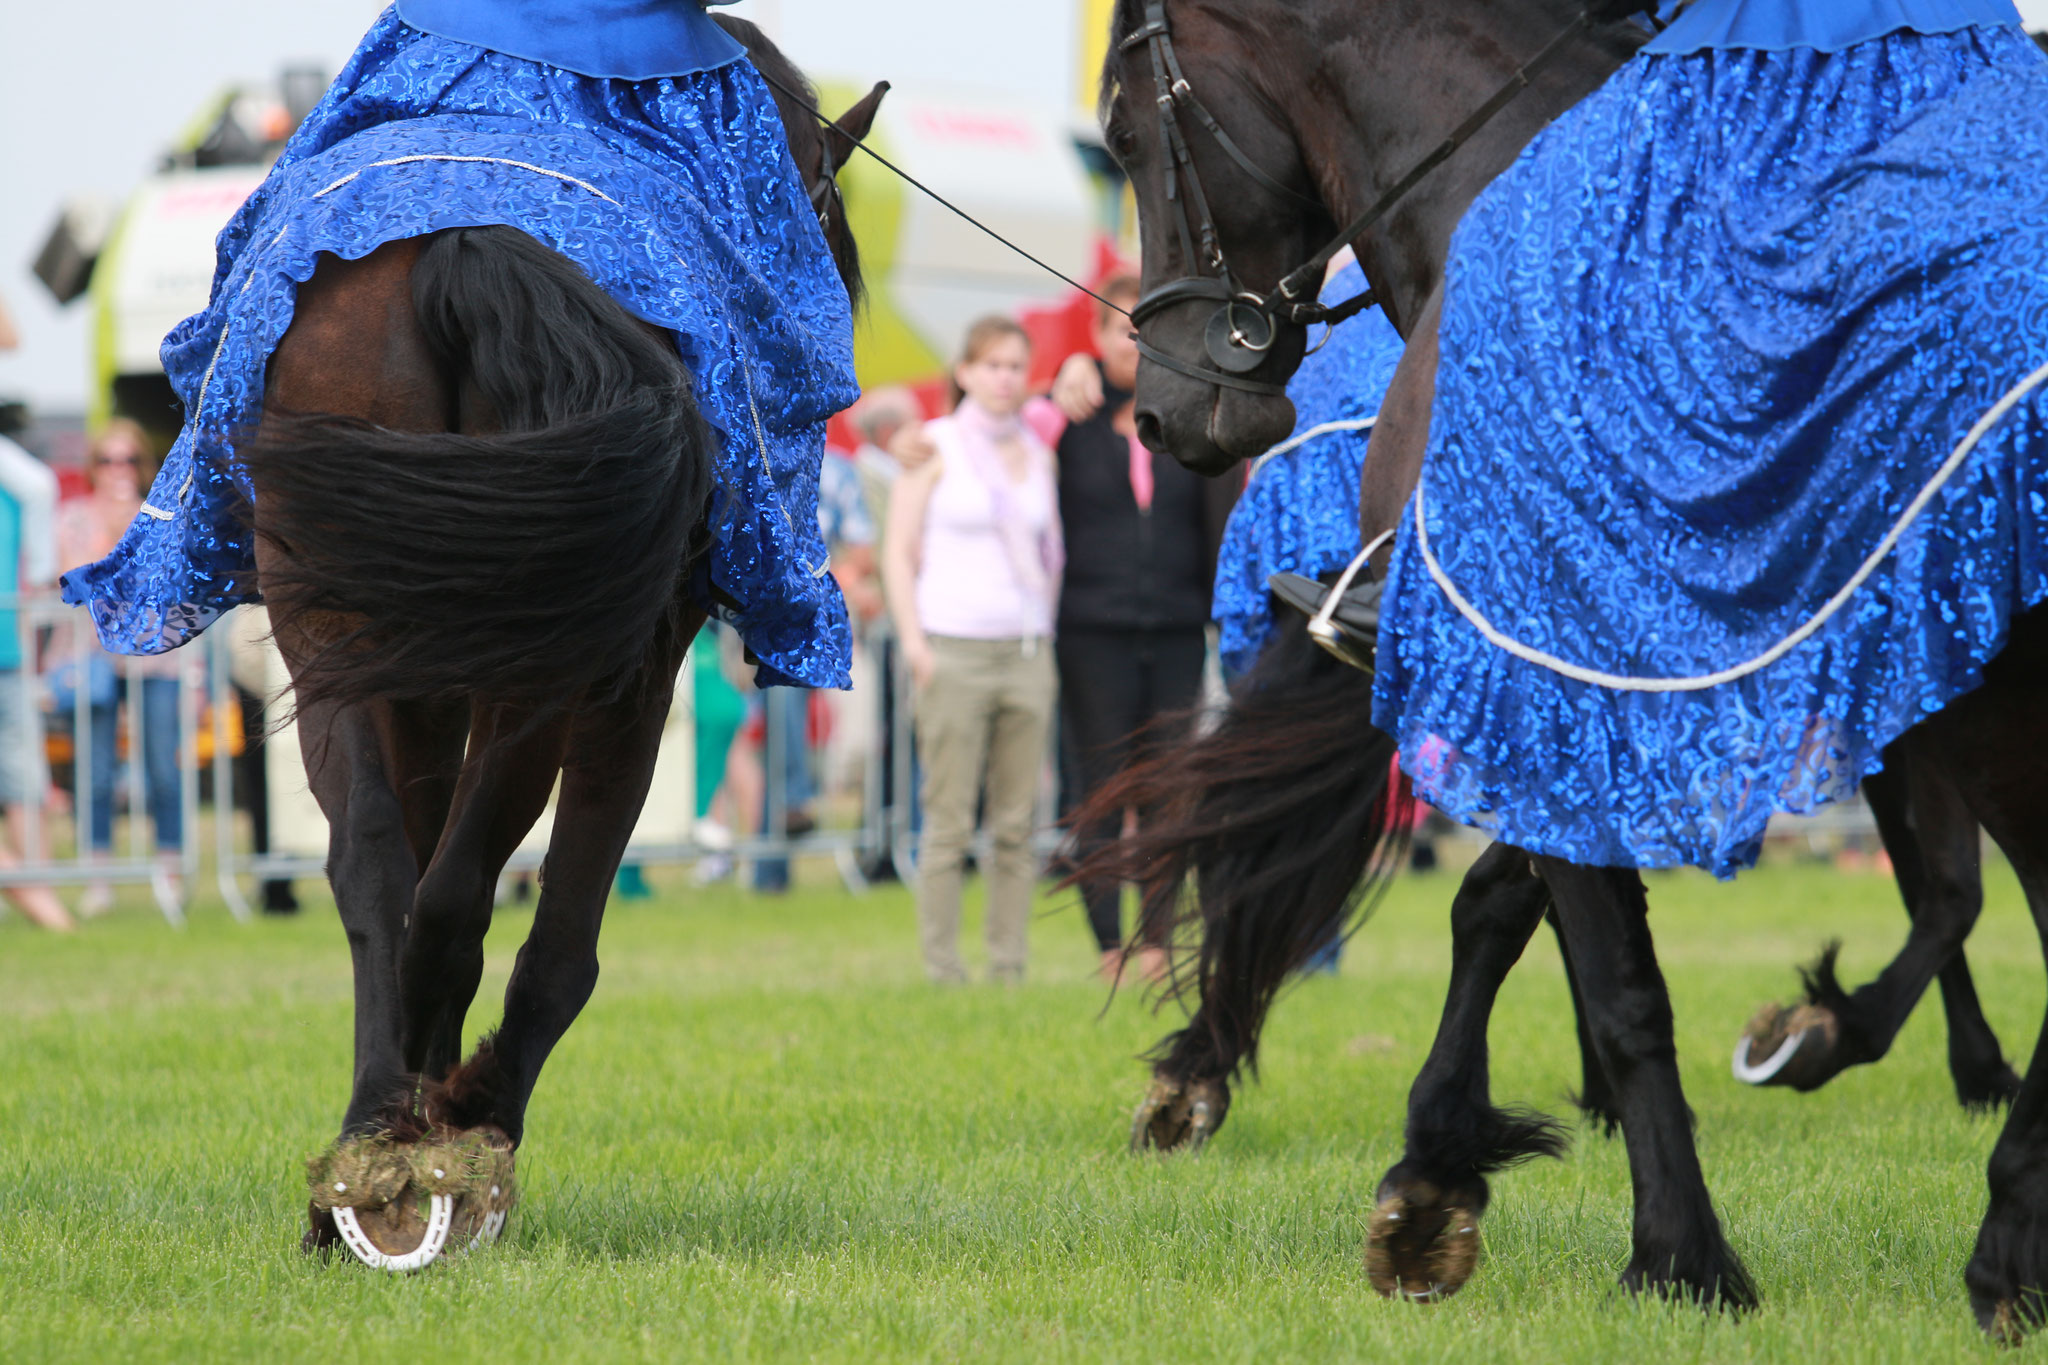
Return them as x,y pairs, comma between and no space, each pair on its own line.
1175,87
1208,376
1294,299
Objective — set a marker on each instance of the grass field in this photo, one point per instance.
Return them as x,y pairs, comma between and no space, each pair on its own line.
768,1139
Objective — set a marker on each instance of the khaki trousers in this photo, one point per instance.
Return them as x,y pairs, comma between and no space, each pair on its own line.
981,723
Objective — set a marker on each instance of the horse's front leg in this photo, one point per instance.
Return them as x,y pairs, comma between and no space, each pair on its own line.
1423,1241
1678,1245
606,770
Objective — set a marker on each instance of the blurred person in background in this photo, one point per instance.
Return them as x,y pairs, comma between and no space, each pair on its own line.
28,559
892,440
850,539
972,566
118,467
1142,534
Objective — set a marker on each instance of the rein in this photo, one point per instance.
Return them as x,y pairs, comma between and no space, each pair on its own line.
1246,324
803,102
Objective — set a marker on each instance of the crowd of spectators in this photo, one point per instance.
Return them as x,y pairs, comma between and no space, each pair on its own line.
56,677
1039,584
1029,589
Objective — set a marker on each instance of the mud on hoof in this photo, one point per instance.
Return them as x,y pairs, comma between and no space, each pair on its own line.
1176,1115
1422,1244
1794,1046
399,1205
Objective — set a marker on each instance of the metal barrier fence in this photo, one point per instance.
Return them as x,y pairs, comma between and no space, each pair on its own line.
222,682
218,688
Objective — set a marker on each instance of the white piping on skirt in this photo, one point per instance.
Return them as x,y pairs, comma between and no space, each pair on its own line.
1320,429
1624,683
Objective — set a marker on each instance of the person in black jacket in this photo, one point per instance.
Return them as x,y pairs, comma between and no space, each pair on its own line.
1142,535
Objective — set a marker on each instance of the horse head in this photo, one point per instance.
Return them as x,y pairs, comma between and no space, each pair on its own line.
819,152
1251,128
1209,231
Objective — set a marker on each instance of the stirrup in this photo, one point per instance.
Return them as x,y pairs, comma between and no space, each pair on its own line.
1343,616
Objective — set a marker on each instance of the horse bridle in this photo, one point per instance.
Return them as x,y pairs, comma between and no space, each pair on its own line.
824,189
1246,323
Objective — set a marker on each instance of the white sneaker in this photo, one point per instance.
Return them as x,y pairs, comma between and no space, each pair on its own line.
167,883
713,837
97,900
712,867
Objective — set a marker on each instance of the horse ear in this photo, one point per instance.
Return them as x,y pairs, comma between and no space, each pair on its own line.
855,123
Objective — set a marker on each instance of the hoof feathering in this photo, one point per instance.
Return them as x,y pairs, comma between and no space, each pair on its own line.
399,1206
1419,1249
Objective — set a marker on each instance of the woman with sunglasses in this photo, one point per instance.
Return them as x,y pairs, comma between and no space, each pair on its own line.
118,466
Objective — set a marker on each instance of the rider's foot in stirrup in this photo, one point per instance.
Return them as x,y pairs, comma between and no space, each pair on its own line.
1352,629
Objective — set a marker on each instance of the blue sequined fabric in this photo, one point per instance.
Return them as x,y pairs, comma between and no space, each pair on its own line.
678,196
1299,512
1702,344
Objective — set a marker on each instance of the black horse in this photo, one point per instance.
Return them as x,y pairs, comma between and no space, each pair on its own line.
1265,839
427,397
1313,110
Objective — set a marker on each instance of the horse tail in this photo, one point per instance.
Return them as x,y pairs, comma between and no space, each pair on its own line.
1272,834
529,561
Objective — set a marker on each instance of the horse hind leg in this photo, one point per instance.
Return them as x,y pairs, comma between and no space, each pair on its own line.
1422,1242
1932,838
500,791
1595,1095
608,764
372,870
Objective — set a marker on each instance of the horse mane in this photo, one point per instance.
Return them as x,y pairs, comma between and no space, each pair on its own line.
805,134
1129,14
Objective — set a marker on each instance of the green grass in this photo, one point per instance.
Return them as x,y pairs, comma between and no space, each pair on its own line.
768,1139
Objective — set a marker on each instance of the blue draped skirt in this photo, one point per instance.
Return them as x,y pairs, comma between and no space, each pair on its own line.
1702,345
677,195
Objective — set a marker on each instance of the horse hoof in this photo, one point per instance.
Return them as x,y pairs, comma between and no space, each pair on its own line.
2005,1326
1793,1047
400,1205
1422,1245
1177,1116
375,1235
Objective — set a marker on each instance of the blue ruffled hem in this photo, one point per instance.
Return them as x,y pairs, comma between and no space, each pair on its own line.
1702,344
1821,25
677,196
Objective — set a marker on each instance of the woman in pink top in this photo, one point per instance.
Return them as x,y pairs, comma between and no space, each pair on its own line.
972,565
118,467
